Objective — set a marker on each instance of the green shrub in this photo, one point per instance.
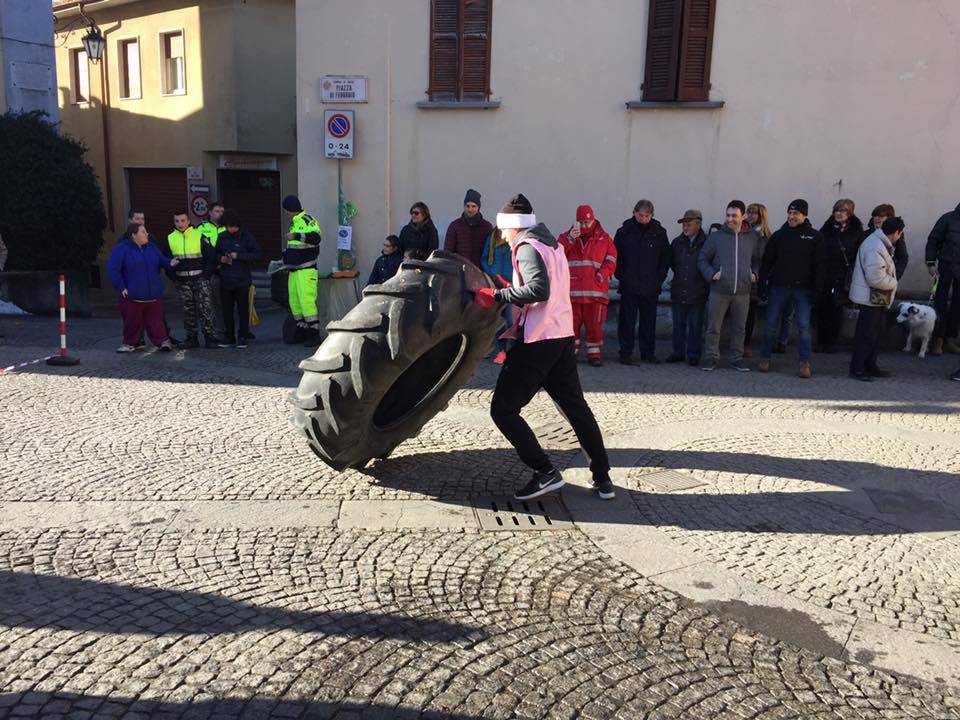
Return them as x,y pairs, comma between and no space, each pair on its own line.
51,207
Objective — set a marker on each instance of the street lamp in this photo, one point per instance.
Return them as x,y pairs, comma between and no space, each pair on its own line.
94,44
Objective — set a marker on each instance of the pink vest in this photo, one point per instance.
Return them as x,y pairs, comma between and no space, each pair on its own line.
552,318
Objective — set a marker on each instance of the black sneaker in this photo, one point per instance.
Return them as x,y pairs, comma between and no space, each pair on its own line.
211,343
879,373
650,359
225,343
604,489
694,361
709,365
242,343
540,484
740,366
626,360
251,336
862,377
956,376
671,358
595,362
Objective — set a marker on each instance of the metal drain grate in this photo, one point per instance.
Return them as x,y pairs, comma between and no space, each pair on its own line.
504,513
557,436
669,481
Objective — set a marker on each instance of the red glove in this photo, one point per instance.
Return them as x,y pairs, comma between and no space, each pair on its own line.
503,283
485,297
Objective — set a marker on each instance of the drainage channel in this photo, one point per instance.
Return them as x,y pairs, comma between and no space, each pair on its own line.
507,514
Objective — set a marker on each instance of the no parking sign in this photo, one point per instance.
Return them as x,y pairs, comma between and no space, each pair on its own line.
338,134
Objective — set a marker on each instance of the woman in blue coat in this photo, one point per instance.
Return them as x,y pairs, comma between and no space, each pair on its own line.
134,269
498,260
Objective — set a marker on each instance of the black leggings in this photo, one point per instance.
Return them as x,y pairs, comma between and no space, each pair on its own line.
551,365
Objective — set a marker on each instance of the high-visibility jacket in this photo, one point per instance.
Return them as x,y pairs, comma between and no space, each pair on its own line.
586,257
304,249
188,248
211,232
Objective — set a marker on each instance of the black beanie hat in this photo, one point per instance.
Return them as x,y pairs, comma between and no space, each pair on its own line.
517,205
799,205
472,196
291,203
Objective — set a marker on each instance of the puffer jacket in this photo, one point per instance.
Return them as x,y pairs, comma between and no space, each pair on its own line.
643,257
841,249
588,255
734,256
419,241
502,264
943,244
136,269
901,256
687,285
465,237
874,268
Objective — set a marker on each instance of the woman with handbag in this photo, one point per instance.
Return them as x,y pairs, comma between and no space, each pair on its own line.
873,286
842,235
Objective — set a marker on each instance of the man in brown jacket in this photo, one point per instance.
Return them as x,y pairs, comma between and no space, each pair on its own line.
467,234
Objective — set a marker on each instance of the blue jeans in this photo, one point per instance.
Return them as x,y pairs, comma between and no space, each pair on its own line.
687,329
780,298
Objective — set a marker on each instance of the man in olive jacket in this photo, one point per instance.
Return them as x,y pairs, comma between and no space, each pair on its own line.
729,262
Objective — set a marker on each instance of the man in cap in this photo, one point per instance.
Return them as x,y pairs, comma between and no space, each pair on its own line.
592,258
300,257
543,355
467,234
794,269
688,289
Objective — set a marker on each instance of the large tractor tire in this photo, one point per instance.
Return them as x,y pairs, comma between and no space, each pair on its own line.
394,361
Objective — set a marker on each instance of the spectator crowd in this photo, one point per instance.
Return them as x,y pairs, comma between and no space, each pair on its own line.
720,277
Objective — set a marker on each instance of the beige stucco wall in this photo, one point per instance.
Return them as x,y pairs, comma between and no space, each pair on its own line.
214,116
815,93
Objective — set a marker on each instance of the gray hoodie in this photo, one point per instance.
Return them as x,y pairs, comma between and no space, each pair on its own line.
533,273
735,256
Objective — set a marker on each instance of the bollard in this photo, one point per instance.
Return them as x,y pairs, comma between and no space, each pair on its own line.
63,359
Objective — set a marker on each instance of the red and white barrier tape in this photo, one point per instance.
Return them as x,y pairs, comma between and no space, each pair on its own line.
13,368
63,333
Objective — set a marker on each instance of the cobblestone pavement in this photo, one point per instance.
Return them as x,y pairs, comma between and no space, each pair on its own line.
829,493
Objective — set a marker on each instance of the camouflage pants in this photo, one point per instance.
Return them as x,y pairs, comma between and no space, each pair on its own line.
197,307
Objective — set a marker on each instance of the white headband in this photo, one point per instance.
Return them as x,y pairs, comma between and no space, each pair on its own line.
508,221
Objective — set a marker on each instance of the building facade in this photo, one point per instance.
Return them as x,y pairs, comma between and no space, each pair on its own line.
28,78
193,102
689,103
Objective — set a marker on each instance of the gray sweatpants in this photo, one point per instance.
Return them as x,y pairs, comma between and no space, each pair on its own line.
717,306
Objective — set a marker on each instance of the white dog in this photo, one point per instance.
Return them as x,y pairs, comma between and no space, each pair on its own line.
919,320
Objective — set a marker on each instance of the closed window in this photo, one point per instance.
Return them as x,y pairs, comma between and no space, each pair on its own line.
679,46
172,73
81,76
460,50
129,51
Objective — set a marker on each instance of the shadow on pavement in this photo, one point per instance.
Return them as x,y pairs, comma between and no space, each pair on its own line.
889,500
65,704
65,603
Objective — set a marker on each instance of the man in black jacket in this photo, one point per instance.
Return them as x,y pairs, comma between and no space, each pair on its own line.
794,269
688,289
943,259
236,251
643,259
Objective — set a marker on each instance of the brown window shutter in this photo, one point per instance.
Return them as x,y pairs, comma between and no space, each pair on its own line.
696,47
475,61
444,49
663,50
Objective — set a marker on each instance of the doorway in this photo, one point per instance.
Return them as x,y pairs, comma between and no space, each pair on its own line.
255,195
